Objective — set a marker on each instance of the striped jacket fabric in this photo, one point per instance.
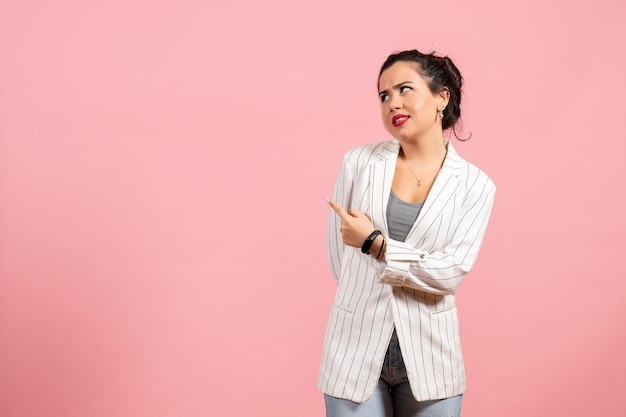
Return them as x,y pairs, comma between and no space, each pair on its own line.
414,289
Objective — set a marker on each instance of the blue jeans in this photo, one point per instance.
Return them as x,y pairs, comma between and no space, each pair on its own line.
393,396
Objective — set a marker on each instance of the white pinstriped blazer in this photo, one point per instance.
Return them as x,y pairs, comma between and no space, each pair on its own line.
413,290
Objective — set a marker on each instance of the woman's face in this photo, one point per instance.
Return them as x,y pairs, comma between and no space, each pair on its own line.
408,108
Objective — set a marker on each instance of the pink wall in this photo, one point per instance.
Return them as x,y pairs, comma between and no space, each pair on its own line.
163,169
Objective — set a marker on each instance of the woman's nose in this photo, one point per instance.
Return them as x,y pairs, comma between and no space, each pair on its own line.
395,103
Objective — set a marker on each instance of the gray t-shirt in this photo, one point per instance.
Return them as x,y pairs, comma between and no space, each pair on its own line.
401,216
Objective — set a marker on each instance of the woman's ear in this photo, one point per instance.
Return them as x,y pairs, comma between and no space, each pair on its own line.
443,98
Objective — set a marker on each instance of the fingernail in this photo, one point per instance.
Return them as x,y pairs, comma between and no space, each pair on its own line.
327,200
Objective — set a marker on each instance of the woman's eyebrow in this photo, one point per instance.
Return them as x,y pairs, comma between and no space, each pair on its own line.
395,86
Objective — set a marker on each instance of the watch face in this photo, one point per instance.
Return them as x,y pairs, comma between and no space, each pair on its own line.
369,241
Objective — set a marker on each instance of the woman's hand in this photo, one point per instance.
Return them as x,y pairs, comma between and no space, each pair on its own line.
355,225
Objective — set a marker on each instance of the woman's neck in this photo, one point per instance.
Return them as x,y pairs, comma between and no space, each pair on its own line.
424,152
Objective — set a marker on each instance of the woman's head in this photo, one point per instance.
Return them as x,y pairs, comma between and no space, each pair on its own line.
440,75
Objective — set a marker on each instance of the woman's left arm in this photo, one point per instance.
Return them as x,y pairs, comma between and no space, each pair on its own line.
441,271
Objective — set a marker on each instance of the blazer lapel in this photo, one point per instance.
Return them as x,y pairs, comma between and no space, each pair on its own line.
381,178
442,192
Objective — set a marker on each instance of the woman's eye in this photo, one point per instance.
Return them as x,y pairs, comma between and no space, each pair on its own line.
405,89
384,97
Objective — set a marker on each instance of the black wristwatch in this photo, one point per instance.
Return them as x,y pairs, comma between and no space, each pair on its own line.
369,241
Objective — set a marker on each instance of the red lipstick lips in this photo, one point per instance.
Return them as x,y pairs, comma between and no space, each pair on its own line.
399,120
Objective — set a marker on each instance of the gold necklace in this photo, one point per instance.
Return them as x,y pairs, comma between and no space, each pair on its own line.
419,182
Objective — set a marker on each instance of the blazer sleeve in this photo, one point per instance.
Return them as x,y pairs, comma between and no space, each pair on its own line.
441,271
342,195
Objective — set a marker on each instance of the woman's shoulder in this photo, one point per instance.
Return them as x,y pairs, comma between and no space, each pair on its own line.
472,174
372,152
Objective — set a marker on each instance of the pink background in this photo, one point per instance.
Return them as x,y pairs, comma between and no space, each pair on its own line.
163,169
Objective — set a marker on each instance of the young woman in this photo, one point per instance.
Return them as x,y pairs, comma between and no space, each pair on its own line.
408,219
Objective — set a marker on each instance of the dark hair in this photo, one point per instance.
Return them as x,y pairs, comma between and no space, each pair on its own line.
440,74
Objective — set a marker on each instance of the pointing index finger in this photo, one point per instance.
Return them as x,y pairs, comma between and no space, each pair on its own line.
338,209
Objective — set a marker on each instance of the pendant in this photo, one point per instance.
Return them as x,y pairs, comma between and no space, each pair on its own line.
419,183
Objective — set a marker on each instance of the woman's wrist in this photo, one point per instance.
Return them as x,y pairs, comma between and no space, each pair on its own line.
369,241
378,247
